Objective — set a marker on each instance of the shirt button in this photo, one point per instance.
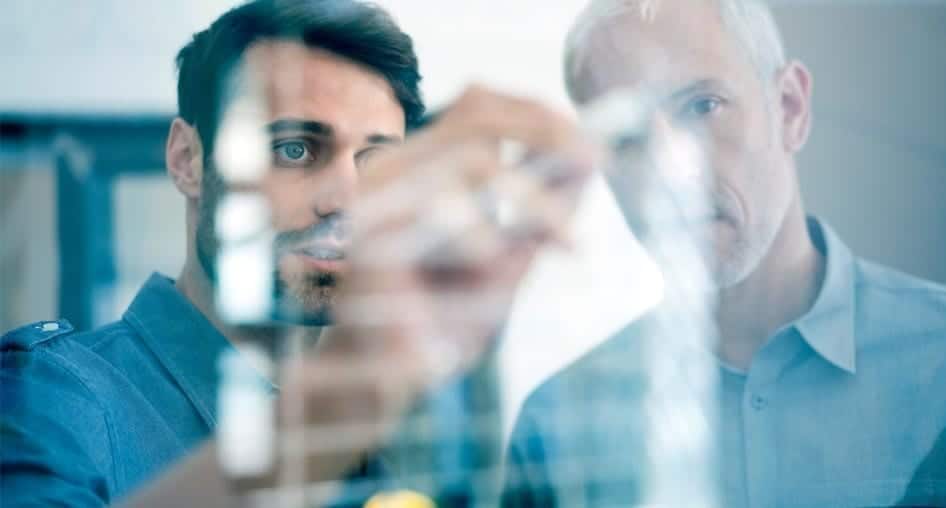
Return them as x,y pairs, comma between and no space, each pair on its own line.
52,326
758,402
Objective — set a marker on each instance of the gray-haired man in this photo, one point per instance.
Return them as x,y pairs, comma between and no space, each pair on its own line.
831,369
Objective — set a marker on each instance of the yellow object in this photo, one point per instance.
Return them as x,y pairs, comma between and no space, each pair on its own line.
400,499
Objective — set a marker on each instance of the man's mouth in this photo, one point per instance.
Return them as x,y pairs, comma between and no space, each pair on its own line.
322,253
322,258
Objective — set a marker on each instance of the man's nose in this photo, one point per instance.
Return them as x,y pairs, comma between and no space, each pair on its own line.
332,189
335,225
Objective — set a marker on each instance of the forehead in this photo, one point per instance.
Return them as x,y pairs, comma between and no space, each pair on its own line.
302,82
676,43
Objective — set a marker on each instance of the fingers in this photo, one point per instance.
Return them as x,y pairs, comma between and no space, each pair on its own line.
481,115
448,191
458,229
485,114
433,205
428,183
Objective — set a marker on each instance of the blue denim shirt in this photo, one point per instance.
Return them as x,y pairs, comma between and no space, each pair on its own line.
841,408
85,418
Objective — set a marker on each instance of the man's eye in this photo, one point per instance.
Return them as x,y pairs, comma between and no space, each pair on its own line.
292,152
702,106
362,157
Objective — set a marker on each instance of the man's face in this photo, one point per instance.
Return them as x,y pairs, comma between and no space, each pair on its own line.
706,89
323,117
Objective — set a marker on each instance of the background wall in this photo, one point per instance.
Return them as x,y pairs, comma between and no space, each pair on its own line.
876,164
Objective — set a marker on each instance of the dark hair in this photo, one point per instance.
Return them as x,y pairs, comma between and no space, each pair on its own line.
358,31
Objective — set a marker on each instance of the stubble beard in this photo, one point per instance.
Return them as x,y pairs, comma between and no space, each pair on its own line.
297,298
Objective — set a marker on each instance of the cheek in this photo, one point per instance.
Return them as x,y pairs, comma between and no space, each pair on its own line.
730,150
734,137
744,160
290,268
286,193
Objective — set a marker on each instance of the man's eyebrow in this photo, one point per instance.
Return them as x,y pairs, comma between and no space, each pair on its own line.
696,86
383,139
297,125
324,129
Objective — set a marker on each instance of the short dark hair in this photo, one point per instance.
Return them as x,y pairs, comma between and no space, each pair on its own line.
358,31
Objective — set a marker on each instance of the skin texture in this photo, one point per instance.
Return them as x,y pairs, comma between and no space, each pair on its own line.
749,129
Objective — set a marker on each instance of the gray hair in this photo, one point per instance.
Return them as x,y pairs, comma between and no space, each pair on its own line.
749,21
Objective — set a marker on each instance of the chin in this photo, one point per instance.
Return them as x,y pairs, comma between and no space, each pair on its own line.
306,298
729,274
296,311
734,262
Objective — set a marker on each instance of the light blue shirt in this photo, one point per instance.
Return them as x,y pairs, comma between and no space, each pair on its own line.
839,408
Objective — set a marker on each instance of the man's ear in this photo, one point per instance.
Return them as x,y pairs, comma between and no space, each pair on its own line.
794,88
185,158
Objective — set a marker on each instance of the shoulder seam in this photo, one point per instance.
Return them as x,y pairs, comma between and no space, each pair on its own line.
920,285
107,334
9,342
900,290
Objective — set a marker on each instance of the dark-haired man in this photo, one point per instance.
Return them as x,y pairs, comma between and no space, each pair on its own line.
329,87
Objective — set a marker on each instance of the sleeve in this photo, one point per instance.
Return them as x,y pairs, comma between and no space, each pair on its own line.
928,486
54,439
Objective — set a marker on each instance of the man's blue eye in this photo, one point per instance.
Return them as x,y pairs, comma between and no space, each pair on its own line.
365,155
704,106
292,151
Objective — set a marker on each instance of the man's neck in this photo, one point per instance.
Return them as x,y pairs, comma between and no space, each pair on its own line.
194,284
782,288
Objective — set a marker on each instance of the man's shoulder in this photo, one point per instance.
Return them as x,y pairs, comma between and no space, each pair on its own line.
610,369
60,339
890,302
59,333
54,348
116,412
877,277
32,335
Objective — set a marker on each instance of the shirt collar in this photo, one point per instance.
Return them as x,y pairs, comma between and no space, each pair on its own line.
184,341
828,327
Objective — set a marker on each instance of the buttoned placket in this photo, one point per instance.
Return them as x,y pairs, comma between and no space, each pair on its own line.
760,418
